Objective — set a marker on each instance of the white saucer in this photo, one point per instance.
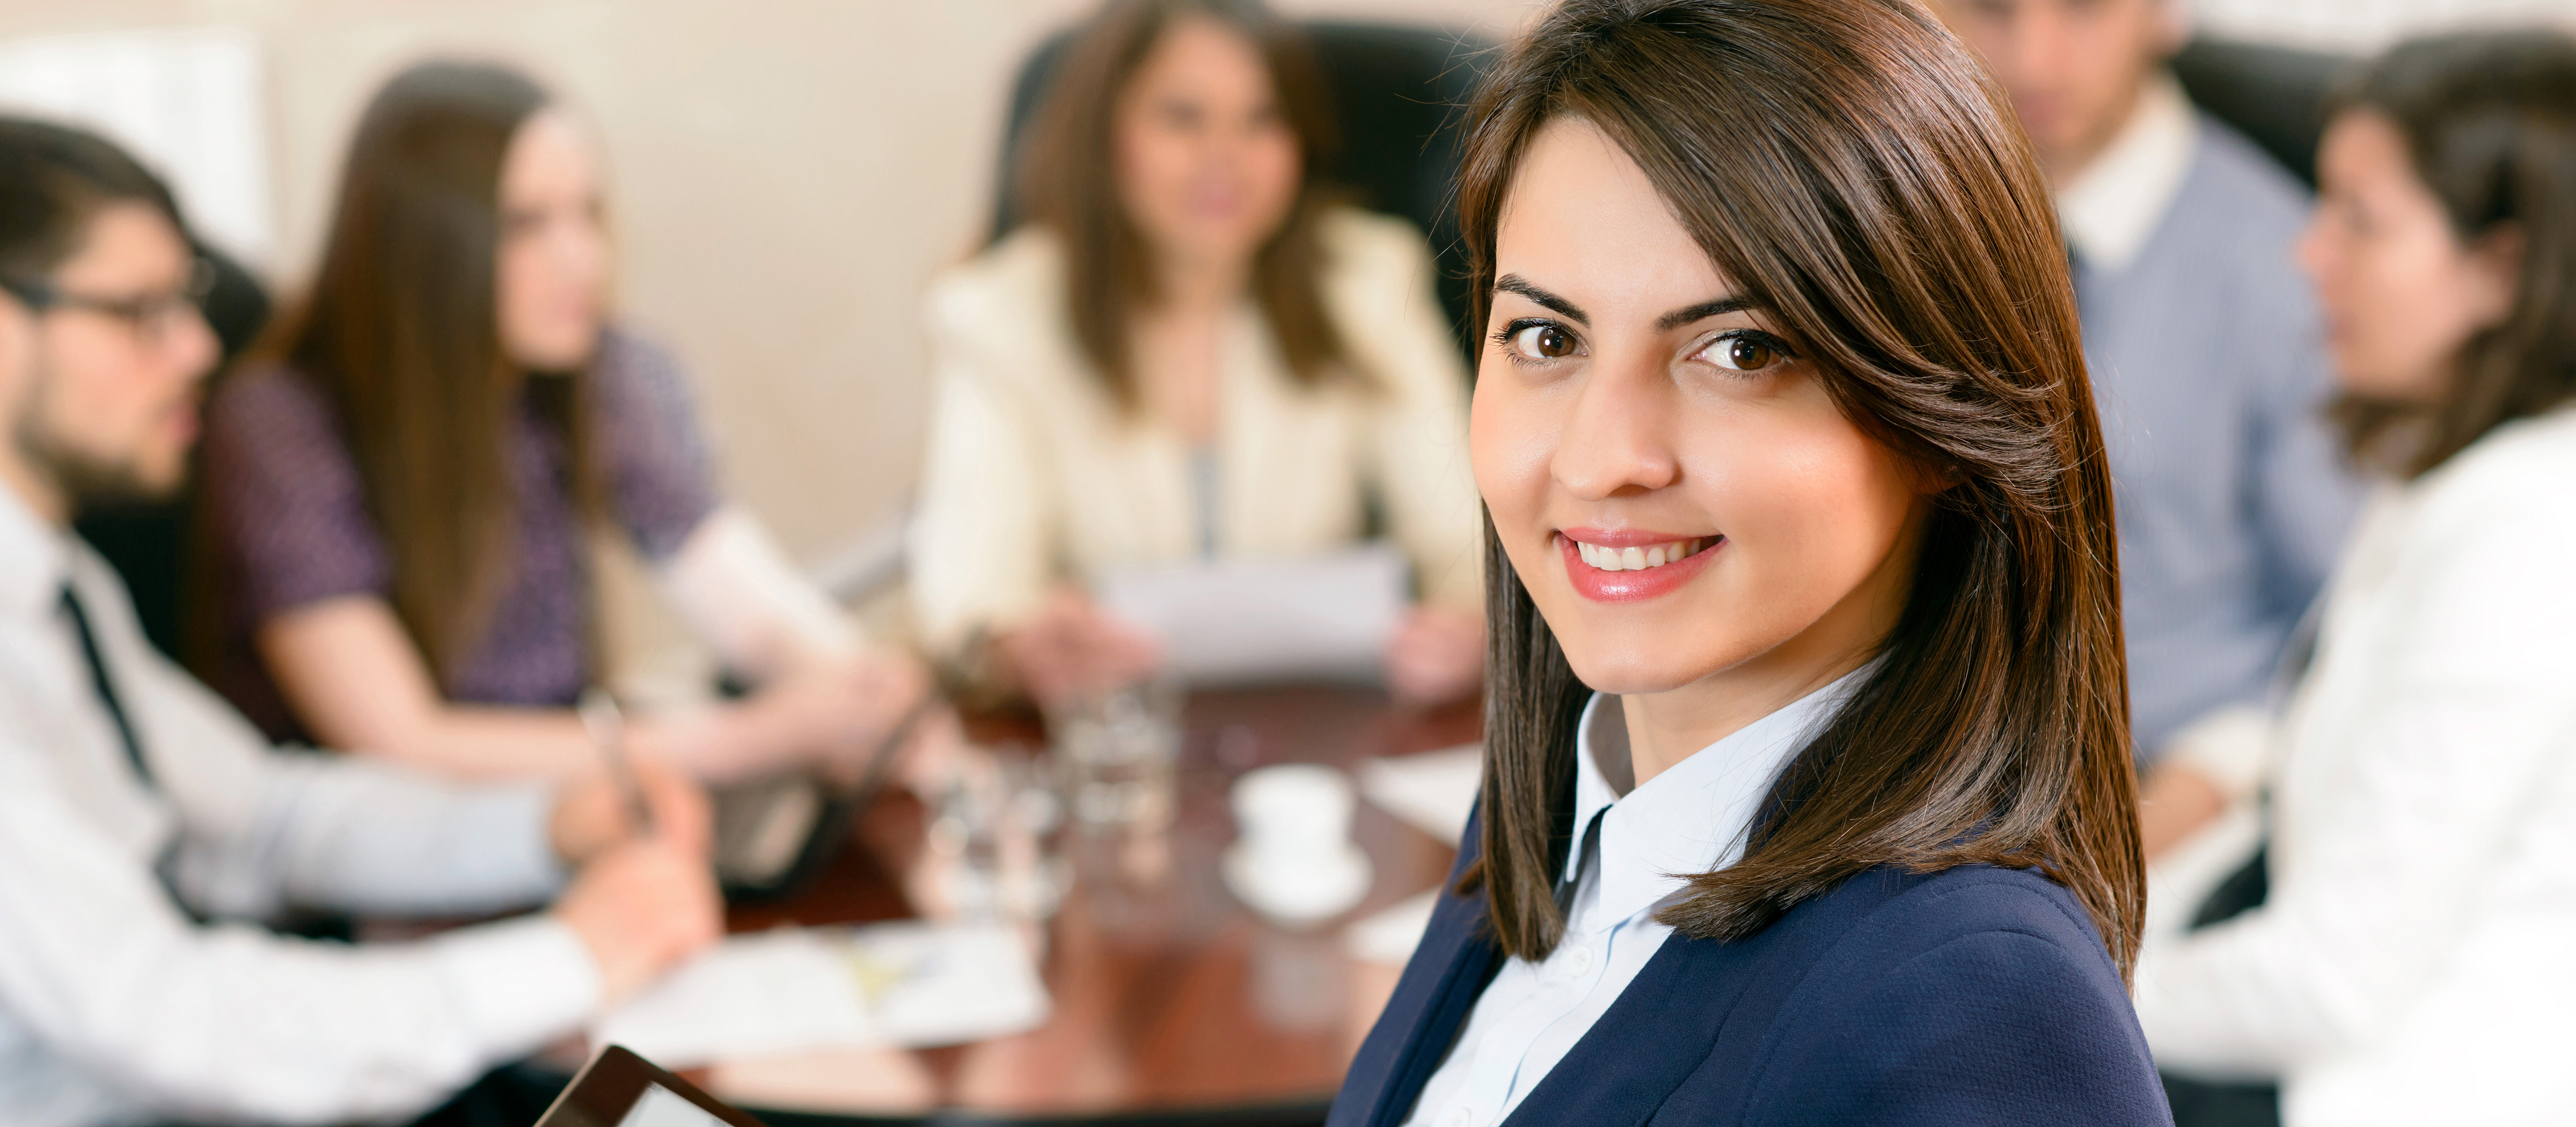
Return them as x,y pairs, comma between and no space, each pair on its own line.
1308,892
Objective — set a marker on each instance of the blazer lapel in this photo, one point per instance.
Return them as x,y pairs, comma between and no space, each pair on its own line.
1649,1041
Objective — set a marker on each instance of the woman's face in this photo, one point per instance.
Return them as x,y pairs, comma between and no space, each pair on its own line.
2402,293
554,259
1673,483
1207,161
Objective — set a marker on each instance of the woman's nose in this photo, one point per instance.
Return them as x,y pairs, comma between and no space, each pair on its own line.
1617,441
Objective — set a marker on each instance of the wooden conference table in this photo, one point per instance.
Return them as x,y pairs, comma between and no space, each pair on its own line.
1173,1003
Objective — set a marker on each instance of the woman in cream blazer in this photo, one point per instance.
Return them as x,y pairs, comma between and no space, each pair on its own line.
1036,475
2411,960
1185,353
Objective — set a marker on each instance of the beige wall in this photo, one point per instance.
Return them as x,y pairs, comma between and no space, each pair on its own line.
788,174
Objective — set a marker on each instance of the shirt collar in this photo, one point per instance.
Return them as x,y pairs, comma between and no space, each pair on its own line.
2112,206
1693,817
35,559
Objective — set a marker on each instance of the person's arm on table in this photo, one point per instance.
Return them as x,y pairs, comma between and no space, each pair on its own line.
231,1022
2299,503
357,681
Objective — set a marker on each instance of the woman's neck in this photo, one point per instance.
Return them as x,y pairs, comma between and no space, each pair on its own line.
1668,727
1192,287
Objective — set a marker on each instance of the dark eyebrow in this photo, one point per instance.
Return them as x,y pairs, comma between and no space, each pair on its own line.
1514,283
1706,309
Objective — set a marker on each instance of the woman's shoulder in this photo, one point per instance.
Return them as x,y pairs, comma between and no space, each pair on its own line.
2528,459
1368,249
1983,991
267,402
1887,916
1019,274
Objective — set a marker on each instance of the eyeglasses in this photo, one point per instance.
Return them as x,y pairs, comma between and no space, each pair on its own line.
150,317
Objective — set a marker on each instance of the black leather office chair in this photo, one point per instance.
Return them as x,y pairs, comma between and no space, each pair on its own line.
1398,95
148,542
2275,95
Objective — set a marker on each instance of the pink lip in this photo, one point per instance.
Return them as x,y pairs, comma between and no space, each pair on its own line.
1627,586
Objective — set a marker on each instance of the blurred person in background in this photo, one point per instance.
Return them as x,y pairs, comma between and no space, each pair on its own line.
2205,348
2408,962
401,502
1185,352
131,799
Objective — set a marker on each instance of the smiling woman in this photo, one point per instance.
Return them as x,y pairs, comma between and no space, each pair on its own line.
1807,793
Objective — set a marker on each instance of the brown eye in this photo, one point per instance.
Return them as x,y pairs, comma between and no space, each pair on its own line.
1743,353
1543,342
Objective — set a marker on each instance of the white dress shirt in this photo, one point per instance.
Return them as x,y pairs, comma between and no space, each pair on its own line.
1690,819
2111,207
115,1007
2411,963
1035,475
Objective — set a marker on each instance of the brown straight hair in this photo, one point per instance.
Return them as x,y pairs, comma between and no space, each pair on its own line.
1849,167
401,332
2489,120
1068,182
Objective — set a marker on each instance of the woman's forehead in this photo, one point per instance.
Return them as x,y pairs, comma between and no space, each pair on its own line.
1583,220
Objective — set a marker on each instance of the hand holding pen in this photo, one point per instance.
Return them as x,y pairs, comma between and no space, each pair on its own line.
630,796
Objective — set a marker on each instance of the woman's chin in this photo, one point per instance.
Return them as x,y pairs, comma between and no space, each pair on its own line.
1626,671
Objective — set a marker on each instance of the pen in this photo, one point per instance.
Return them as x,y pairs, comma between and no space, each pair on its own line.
606,724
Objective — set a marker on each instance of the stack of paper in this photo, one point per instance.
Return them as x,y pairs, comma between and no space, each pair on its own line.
1242,621
798,989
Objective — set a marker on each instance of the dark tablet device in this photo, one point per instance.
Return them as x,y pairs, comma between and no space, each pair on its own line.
619,1089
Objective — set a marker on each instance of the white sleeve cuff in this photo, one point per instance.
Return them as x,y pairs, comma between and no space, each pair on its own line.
748,601
2230,747
521,865
518,984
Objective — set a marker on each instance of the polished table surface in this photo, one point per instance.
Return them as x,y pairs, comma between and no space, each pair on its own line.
1169,995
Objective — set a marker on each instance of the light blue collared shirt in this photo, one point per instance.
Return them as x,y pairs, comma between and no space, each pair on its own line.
1634,849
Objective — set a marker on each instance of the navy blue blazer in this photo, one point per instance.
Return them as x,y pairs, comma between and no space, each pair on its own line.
1972,996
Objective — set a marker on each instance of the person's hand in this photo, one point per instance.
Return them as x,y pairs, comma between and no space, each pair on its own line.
837,715
590,814
640,907
1436,655
1071,649
2174,802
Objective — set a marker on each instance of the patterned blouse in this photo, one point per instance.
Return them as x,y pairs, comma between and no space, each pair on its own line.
290,524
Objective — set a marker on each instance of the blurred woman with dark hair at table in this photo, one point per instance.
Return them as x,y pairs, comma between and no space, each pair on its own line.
401,503
2407,960
1807,796
1186,352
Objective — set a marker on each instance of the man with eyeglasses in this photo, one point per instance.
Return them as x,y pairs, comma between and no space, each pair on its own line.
144,826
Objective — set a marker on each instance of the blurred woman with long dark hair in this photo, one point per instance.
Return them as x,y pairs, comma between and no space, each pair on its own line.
1807,792
402,502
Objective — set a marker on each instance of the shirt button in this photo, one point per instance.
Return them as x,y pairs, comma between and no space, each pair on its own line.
1459,1116
1578,961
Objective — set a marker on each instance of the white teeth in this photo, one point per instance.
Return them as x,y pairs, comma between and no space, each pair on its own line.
1607,558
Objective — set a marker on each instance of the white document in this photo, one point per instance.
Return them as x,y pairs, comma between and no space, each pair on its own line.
1240,621
802,989
1432,791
